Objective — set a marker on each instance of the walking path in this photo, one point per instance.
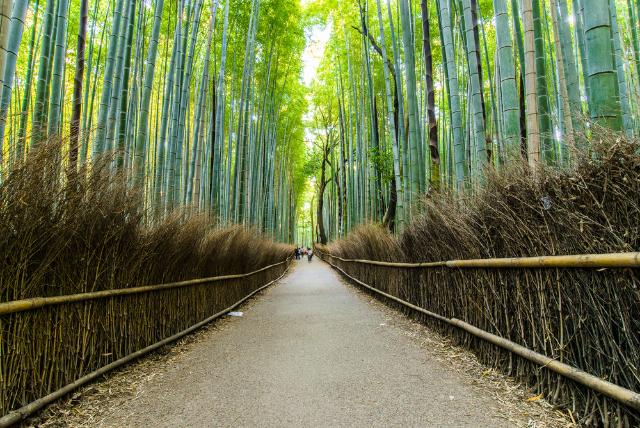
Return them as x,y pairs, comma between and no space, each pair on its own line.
310,351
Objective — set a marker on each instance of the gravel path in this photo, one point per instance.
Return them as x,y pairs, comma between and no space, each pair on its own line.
311,351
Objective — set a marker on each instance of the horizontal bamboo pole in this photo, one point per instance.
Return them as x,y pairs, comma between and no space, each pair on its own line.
38,302
595,261
618,393
22,413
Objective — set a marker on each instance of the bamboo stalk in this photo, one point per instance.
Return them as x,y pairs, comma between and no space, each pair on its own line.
618,393
594,261
39,302
22,413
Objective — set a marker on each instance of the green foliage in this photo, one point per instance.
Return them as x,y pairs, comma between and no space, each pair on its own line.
382,161
313,162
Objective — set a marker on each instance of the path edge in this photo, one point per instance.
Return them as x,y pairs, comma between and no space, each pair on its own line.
18,415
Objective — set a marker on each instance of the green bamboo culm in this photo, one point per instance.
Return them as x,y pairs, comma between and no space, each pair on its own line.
59,53
454,94
604,94
41,101
395,135
416,170
145,100
620,73
16,27
510,109
105,100
24,109
547,148
74,132
476,105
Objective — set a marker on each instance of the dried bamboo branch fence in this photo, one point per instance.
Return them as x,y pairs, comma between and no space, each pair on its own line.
524,314
50,346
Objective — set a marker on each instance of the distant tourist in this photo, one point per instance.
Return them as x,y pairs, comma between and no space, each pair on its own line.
309,254
297,253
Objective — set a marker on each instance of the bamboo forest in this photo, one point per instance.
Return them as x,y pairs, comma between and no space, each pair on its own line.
415,96
205,105
472,164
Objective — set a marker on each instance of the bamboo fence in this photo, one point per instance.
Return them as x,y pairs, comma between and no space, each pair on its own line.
50,346
528,313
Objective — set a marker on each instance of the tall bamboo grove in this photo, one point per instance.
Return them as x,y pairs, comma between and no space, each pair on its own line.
197,103
200,103
428,95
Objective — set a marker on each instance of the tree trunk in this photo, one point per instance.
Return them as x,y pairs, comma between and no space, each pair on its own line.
77,90
454,94
24,109
531,83
603,96
510,112
5,27
562,81
8,69
546,133
143,121
107,88
431,102
57,80
476,101
476,40
415,174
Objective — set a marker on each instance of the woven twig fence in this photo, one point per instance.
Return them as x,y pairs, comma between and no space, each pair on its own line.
47,343
581,311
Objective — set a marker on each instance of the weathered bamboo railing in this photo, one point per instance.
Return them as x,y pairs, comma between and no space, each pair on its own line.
39,302
594,261
18,415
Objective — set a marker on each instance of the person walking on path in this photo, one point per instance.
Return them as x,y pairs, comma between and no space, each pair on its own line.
297,253
309,254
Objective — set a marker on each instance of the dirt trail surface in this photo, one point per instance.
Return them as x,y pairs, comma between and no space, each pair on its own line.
311,351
